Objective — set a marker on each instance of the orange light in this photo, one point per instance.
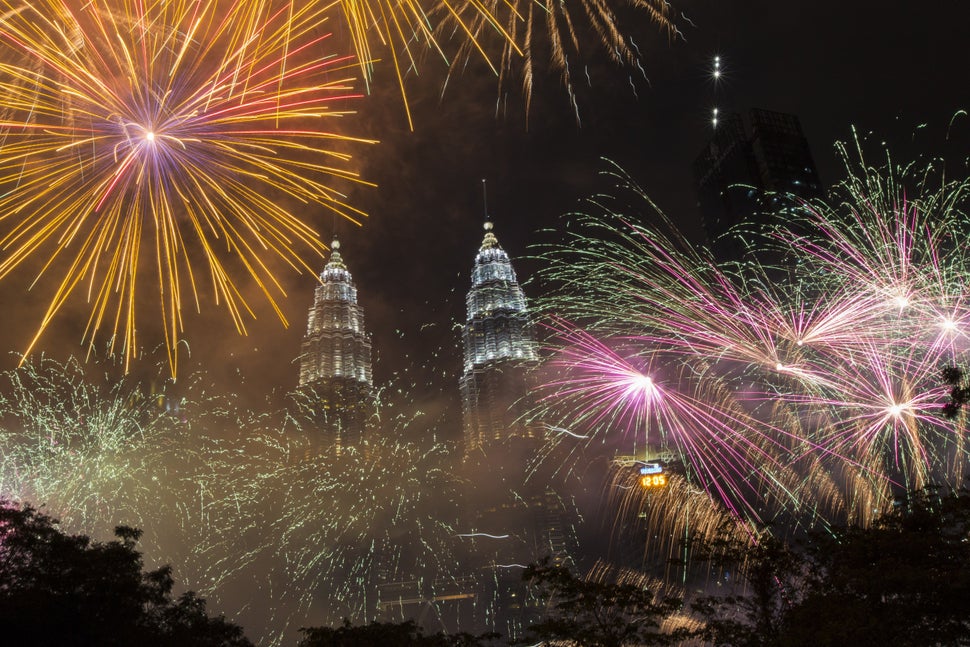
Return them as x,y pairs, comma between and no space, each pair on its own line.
653,480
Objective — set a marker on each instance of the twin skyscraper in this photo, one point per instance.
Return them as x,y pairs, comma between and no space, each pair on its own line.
499,350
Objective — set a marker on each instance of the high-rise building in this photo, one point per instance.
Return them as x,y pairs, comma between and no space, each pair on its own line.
744,173
510,518
500,349
335,358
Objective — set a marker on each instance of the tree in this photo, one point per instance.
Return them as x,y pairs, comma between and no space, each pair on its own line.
905,581
387,634
66,590
769,576
959,391
596,614
902,582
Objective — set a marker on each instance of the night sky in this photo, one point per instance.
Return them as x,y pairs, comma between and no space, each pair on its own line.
883,67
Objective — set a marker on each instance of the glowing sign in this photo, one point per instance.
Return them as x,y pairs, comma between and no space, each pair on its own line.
653,480
651,468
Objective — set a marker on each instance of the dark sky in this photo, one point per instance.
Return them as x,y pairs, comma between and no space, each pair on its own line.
885,67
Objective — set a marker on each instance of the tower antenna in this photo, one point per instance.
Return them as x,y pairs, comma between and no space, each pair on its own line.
484,199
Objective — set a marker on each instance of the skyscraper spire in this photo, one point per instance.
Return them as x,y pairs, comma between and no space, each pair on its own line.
335,362
484,200
499,349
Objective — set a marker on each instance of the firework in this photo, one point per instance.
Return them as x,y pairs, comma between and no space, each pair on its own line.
810,388
65,439
137,141
250,510
406,30
560,32
672,518
346,527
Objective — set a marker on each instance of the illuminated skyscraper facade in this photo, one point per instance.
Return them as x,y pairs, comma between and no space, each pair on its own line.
335,362
500,349
501,441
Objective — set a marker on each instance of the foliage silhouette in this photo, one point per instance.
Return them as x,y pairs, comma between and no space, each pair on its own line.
387,634
770,573
902,582
596,614
959,391
66,590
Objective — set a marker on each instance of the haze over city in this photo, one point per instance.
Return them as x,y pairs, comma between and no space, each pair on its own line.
634,341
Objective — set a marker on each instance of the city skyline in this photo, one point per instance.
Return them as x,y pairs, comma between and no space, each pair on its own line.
428,206
352,466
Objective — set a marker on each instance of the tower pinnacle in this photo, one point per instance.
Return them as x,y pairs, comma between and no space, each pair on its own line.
336,260
490,241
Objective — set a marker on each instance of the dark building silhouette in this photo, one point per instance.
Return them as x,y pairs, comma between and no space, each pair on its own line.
336,380
747,171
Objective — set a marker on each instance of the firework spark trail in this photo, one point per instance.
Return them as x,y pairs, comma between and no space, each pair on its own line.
833,368
883,398
725,449
407,29
245,507
168,131
527,33
679,298
887,238
59,440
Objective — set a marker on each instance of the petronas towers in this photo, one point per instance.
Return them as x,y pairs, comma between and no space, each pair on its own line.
499,349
